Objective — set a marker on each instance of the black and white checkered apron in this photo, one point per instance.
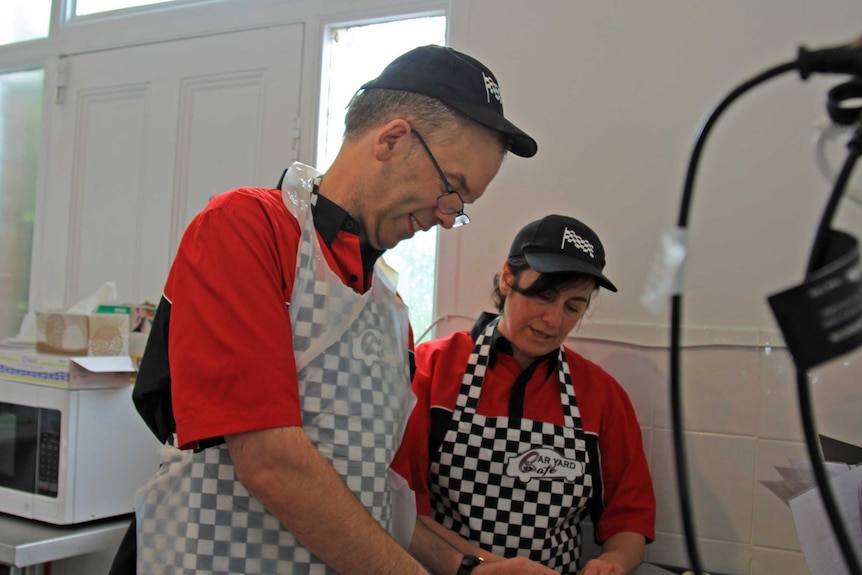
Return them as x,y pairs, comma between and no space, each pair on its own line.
513,486
196,518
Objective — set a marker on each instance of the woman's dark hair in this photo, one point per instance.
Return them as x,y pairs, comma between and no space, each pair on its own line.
545,283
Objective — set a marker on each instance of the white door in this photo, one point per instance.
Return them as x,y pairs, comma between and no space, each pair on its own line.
142,137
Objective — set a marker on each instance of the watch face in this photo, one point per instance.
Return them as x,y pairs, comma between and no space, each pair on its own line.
467,564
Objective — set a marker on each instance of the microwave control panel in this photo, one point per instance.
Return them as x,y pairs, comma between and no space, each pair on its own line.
49,452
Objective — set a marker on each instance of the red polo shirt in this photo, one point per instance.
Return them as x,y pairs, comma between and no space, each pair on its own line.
230,342
609,420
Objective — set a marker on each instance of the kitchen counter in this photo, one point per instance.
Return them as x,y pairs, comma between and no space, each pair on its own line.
24,542
650,569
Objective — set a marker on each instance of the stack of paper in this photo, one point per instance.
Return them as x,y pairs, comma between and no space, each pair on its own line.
797,487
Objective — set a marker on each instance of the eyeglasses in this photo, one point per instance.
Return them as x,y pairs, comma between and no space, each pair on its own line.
450,202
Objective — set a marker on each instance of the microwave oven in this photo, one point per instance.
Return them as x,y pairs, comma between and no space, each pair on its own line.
71,456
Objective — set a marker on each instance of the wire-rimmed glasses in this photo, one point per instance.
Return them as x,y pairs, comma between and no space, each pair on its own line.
450,202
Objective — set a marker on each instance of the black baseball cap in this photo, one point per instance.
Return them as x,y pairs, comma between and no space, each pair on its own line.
459,81
560,244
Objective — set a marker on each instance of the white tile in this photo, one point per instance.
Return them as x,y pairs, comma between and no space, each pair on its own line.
716,557
637,369
836,392
773,521
663,470
644,335
774,562
720,390
647,434
834,388
669,550
720,477
702,336
779,397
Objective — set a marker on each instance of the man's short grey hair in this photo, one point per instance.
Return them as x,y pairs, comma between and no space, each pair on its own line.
371,108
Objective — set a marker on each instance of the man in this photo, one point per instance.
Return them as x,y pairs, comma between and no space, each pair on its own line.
277,370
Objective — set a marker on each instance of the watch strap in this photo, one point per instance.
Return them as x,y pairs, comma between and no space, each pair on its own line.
468,563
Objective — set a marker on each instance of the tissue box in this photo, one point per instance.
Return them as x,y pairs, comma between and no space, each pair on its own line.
82,334
22,363
140,323
140,316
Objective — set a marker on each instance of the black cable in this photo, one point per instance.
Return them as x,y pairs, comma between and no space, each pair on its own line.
822,234
825,488
805,406
703,132
809,428
676,314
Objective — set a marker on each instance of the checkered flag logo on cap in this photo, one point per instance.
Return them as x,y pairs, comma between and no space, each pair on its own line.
492,88
579,242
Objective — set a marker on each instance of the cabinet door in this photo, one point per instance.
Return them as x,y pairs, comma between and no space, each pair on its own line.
142,137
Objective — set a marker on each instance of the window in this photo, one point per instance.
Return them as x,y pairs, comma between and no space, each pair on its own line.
24,20
86,7
353,55
20,129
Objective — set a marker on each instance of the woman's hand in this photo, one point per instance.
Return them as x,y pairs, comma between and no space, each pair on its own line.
599,567
621,554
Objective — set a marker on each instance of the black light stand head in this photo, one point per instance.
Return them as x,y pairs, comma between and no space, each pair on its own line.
846,59
844,103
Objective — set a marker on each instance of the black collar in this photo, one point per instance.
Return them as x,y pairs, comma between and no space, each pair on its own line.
499,343
330,218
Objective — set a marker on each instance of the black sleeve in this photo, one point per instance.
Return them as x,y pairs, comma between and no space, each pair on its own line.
596,506
152,392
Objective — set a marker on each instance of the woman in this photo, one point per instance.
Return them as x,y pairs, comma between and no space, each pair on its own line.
516,438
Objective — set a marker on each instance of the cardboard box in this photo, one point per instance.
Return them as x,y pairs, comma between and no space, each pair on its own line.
22,363
82,334
140,316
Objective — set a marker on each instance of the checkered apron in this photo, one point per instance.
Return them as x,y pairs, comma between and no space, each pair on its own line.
196,518
513,486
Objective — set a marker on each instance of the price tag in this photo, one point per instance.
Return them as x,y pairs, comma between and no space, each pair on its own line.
822,318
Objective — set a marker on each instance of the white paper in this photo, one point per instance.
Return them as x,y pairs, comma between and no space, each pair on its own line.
105,363
106,293
816,535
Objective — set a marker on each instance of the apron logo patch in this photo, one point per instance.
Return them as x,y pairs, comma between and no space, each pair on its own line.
543,464
368,347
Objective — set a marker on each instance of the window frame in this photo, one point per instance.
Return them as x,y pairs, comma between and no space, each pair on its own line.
423,315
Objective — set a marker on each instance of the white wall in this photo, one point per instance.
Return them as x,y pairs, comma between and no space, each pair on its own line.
613,92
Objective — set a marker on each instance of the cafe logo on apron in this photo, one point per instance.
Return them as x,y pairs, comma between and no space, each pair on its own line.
368,346
543,464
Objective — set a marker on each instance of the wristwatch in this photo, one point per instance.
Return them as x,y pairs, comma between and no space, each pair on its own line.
468,563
